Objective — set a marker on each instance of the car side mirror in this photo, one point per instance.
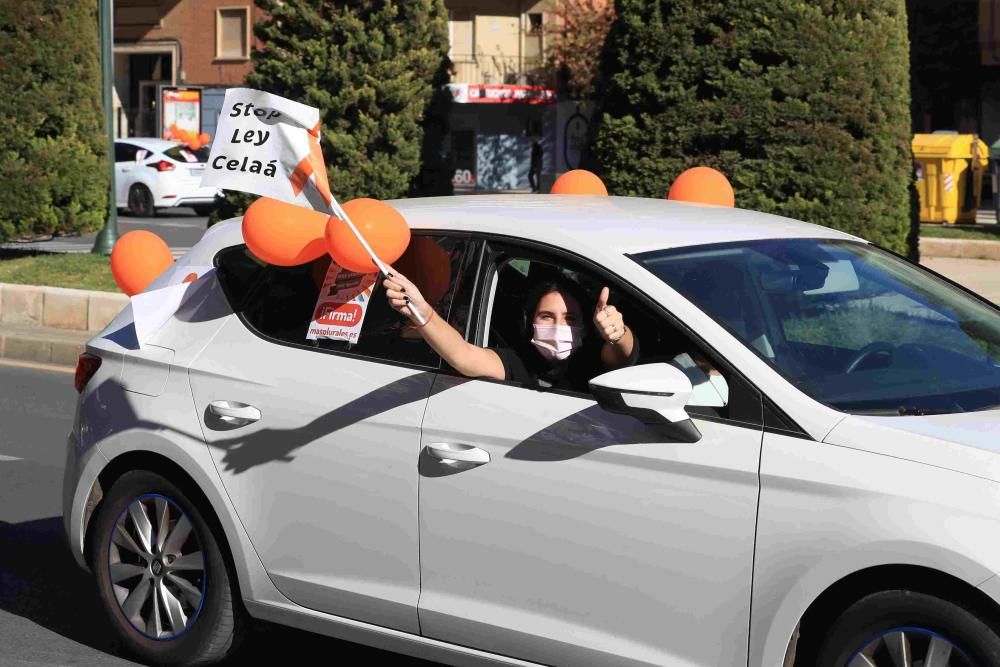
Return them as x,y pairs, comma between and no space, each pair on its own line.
652,393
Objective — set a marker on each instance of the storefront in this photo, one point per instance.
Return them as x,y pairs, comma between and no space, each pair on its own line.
502,137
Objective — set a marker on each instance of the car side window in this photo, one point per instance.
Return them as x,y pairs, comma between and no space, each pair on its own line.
716,392
280,302
125,152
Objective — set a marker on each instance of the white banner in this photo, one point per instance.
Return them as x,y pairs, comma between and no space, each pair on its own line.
341,304
268,145
151,309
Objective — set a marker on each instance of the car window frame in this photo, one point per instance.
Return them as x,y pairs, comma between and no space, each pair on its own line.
483,304
235,303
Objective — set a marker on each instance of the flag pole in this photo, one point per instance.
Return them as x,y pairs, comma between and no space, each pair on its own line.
338,211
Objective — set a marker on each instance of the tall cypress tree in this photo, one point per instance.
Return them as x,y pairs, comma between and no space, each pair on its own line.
372,68
804,105
53,150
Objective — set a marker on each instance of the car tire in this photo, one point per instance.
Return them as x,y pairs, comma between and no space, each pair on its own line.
189,612
875,621
140,201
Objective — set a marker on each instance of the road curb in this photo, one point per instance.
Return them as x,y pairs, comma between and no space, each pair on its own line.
58,308
959,248
51,325
42,345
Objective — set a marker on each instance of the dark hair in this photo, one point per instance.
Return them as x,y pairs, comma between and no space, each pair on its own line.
548,286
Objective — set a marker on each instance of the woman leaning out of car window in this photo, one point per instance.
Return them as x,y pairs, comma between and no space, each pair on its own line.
563,353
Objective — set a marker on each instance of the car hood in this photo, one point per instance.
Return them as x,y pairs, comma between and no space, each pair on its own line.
967,442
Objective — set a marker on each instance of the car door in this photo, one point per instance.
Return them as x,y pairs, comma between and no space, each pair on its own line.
125,162
580,537
317,441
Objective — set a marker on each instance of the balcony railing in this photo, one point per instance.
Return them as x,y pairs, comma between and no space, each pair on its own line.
490,69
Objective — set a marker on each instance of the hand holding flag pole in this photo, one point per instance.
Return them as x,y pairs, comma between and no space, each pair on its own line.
311,171
338,211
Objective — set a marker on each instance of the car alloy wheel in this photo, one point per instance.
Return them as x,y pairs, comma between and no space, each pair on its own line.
140,201
163,575
156,567
908,647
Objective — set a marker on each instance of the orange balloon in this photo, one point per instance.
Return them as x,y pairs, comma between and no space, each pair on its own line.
194,144
205,138
382,226
137,259
579,182
703,185
428,266
283,234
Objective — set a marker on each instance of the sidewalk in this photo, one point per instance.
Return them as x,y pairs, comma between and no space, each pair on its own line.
979,275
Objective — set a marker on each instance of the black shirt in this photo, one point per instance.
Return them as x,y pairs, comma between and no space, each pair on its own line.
530,369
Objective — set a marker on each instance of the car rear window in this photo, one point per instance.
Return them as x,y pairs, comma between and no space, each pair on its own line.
185,154
279,303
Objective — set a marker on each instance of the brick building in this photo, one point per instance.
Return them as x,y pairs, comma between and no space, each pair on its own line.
177,43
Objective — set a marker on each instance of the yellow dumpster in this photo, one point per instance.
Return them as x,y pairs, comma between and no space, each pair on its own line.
944,164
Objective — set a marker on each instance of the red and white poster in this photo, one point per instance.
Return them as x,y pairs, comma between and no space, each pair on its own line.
341,305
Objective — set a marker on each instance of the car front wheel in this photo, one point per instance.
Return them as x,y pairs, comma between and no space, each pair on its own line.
161,575
140,201
899,627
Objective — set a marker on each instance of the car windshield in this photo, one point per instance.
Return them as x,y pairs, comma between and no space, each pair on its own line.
185,154
855,327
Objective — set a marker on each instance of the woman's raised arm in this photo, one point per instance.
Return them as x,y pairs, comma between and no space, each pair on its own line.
464,357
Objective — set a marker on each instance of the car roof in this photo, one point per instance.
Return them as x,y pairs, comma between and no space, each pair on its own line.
591,226
150,143
621,224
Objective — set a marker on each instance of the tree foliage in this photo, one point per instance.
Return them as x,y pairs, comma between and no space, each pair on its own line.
53,148
375,69
576,35
804,105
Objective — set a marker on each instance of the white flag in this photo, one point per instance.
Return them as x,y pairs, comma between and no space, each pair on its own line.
151,309
269,146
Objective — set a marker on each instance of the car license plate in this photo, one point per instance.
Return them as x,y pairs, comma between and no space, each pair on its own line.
197,172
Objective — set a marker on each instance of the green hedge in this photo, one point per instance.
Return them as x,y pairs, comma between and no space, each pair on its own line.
804,105
53,150
375,69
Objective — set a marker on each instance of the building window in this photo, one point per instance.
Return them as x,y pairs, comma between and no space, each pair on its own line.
534,24
232,33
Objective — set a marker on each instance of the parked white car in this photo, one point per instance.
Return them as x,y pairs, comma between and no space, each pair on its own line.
834,502
155,173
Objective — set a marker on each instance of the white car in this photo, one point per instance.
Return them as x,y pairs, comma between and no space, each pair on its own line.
833,501
155,173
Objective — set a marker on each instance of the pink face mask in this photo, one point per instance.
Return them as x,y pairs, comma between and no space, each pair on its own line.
556,341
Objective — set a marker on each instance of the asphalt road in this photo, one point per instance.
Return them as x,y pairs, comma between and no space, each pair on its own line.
49,611
179,227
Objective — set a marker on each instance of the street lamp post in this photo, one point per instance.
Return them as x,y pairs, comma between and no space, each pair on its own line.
109,233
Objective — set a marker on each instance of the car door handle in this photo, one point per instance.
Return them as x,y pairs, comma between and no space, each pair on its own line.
446,451
234,413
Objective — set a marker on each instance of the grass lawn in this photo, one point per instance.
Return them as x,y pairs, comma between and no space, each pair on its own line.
978,233
76,270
